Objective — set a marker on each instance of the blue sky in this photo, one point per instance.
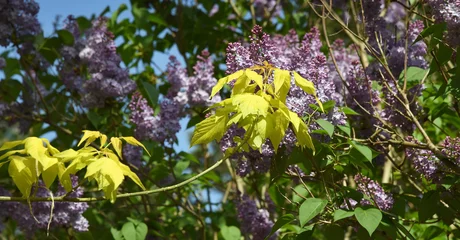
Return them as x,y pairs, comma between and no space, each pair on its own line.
49,9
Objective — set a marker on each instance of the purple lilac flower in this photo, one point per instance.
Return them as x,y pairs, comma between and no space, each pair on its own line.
394,110
192,91
103,64
253,220
263,8
18,18
452,149
363,99
424,161
344,57
94,50
65,214
373,190
448,11
133,155
2,63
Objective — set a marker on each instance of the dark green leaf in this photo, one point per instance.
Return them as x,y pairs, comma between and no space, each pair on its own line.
346,129
285,219
117,13
310,208
66,37
152,93
431,232
364,150
349,111
156,18
189,157
368,218
193,121
341,214
428,205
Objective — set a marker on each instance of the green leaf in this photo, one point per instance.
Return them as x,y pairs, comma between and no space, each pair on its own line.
432,232
66,37
156,18
435,28
95,118
346,129
116,234
212,128
129,231
230,232
180,167
341,214
369,218
117,13
152,93
364,150
414,75
428,205
283,220
349,111
326,126
310,208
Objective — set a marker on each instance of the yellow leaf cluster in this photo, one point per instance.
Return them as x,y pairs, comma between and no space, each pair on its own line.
258,106
39,158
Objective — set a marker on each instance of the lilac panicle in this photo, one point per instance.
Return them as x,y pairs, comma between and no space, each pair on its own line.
448,11
94,50
253,220
373,190
423,161
18,18
65,214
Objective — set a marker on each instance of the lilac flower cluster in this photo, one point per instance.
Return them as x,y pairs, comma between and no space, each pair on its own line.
396,55
289,53
448,11
363,99
253,220
451,148
133,155
266,8
373,190
65,214
18,19
185,92
94,50
423,161
2,63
